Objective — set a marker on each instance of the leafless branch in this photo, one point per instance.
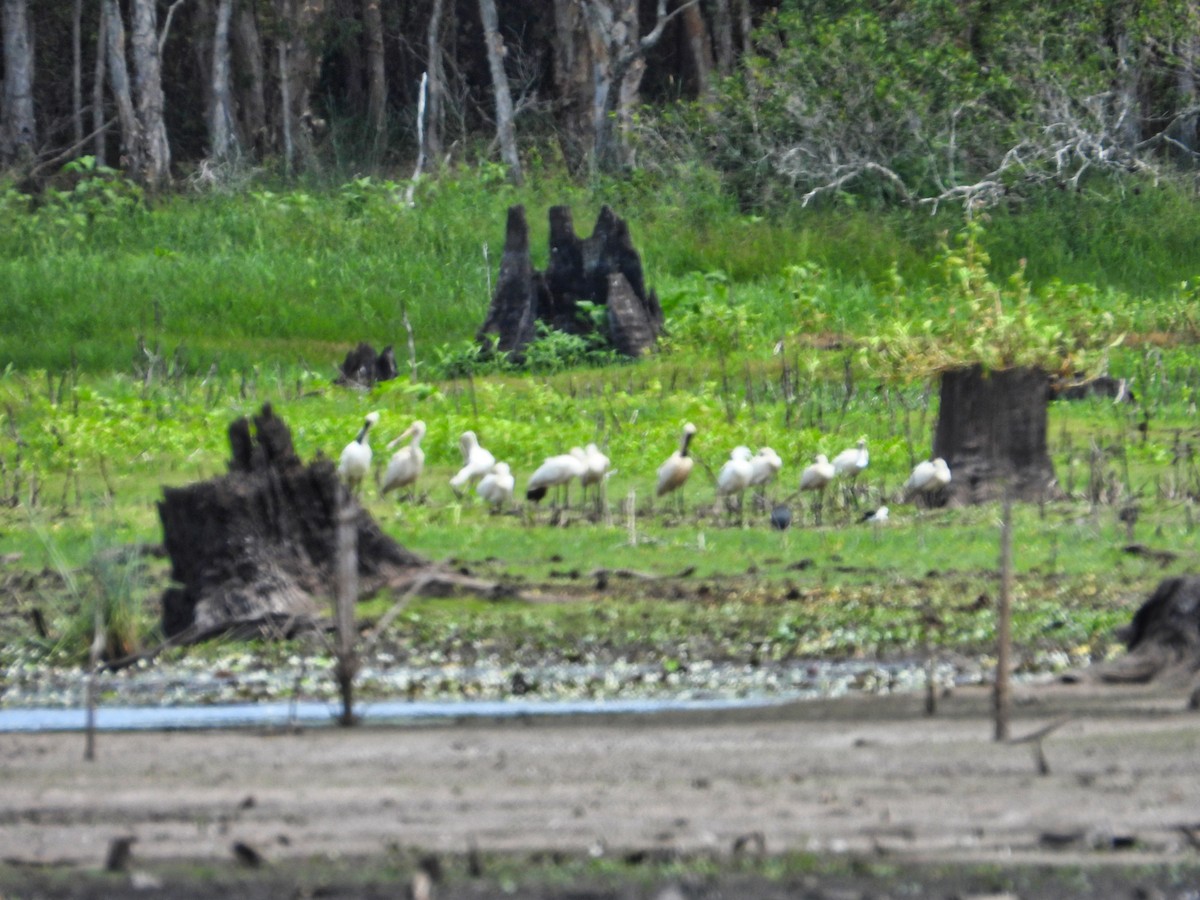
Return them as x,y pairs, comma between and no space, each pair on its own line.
166,29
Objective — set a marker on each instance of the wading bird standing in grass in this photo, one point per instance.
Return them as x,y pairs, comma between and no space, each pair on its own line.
557,472
816,477
734,478
927,479
767,464
477,462
847,466
407,463
596,472
355,461
496,487
673,473
877,518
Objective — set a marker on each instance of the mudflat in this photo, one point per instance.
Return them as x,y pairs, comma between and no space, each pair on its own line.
864,777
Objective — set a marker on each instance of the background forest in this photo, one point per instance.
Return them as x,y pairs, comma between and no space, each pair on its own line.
919,101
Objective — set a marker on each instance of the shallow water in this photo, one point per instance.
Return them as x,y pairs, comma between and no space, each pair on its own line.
310,713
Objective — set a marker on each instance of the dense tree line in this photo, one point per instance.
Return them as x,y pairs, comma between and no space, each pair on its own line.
919,99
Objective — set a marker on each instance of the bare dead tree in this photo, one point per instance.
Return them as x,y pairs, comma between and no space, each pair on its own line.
98,76
617,64
77,71
505,130
118,80
434,88
376,76
222,132
147,58
17,124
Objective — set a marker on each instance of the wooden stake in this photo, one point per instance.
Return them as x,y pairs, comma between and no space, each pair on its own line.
1002,698
345,594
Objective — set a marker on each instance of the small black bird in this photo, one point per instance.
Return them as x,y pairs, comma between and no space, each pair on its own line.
781,517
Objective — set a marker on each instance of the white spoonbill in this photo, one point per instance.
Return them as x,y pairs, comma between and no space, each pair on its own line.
927,479
477,462
556,471
596,471
735,475
816,477
766,463
496,487
848,464
355,461
673,474
407,463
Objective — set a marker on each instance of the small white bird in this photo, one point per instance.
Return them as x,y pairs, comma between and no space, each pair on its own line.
496,487
673,473
596,471
355,461
556,471
816,477
735,475
767,464
927,478
477,462
407,463
875,516
847,466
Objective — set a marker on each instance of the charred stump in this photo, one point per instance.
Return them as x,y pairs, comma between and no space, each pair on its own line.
604,269
991,430
1163,639
258,546
363,367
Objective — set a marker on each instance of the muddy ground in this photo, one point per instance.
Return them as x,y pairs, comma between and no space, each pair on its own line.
842,798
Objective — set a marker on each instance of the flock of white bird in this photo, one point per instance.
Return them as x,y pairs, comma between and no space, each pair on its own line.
494,483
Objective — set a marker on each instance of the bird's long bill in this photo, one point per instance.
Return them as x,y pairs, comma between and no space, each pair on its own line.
407,434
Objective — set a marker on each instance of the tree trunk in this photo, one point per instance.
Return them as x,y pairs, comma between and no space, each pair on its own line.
696,34
435,87
251,100
77,72
505,131
617,63
156,155
118,79
746,24
222,135
723,32
572,81
376,77
991,429
300,68
17,132
98,77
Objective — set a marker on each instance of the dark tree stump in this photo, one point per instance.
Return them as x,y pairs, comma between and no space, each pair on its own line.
363,367
1163,638
514,306
991,429
258,545
604,269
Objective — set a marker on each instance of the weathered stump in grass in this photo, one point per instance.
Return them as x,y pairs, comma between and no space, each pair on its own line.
604,269
256,548
1163,639
991,430
363,367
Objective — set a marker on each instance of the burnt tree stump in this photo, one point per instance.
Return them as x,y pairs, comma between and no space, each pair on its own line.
1163,639
991,429
604,269
257,547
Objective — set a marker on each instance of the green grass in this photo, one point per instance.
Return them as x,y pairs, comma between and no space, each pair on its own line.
241,301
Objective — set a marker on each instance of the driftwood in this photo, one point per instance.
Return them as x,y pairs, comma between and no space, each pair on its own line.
257,545
604,269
